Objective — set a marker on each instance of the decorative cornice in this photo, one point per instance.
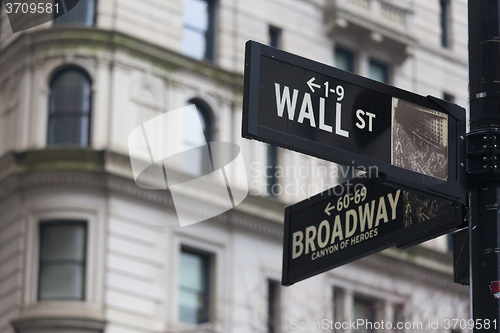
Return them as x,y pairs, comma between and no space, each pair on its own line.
412,271
86,169
51,42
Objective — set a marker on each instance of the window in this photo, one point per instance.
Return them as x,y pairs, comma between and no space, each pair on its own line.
449,97
62,262
365,310
274,37
191,139
83,14
198,31
378,71
272,162
445,23
197,162
344,59
69,108
273,306
371,307
194,287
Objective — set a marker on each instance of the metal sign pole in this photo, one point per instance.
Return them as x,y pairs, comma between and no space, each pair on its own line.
483,157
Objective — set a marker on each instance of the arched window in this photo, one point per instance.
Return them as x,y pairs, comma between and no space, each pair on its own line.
83,13
197,163
195,139
69,108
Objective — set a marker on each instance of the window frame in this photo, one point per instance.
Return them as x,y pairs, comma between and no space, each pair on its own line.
344,292
387,73
272,164
72,205
368,302
205,243
274,307
209,33
59,222
50,115
445,23
346,51
206,113
208,259
275,36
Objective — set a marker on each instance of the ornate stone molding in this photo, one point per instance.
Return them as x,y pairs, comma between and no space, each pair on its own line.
411,271
46,169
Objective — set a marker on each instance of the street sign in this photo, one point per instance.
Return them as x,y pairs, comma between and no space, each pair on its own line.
356,219
318,110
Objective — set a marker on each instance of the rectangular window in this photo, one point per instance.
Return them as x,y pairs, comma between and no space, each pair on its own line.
194,287
83,13
449,97
198,17
272,162
365,310
344,59
274,37
378,71
273,306
445,23
62,260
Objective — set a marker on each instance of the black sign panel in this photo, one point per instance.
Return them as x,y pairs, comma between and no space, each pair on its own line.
338,116
356,219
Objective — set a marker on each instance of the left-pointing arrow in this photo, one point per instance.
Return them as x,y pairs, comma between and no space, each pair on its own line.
328,209
311,84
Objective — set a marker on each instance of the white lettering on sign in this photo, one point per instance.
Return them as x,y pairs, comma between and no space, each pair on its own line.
361,121
285,99
362,220
288,101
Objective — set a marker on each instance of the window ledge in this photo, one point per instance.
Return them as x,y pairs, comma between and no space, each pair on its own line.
58,324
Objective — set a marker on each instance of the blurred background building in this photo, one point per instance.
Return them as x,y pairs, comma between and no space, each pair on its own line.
84,249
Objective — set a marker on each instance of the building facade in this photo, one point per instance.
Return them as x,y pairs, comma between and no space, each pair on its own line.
84,249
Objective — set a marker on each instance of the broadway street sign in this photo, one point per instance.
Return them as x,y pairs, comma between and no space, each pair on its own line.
356,219
318,110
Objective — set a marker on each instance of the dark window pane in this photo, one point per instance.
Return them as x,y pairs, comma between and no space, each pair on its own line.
82,14
344,59
194,44
273,307
62,281
445,7
70,92
272,162
198,161
274,37
193,287
378,71
365,310
69,130
197,36
69,109
449,97
195,14
64,241
62,260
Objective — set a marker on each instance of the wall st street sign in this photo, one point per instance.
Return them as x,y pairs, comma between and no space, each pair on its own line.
312,108
356,219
